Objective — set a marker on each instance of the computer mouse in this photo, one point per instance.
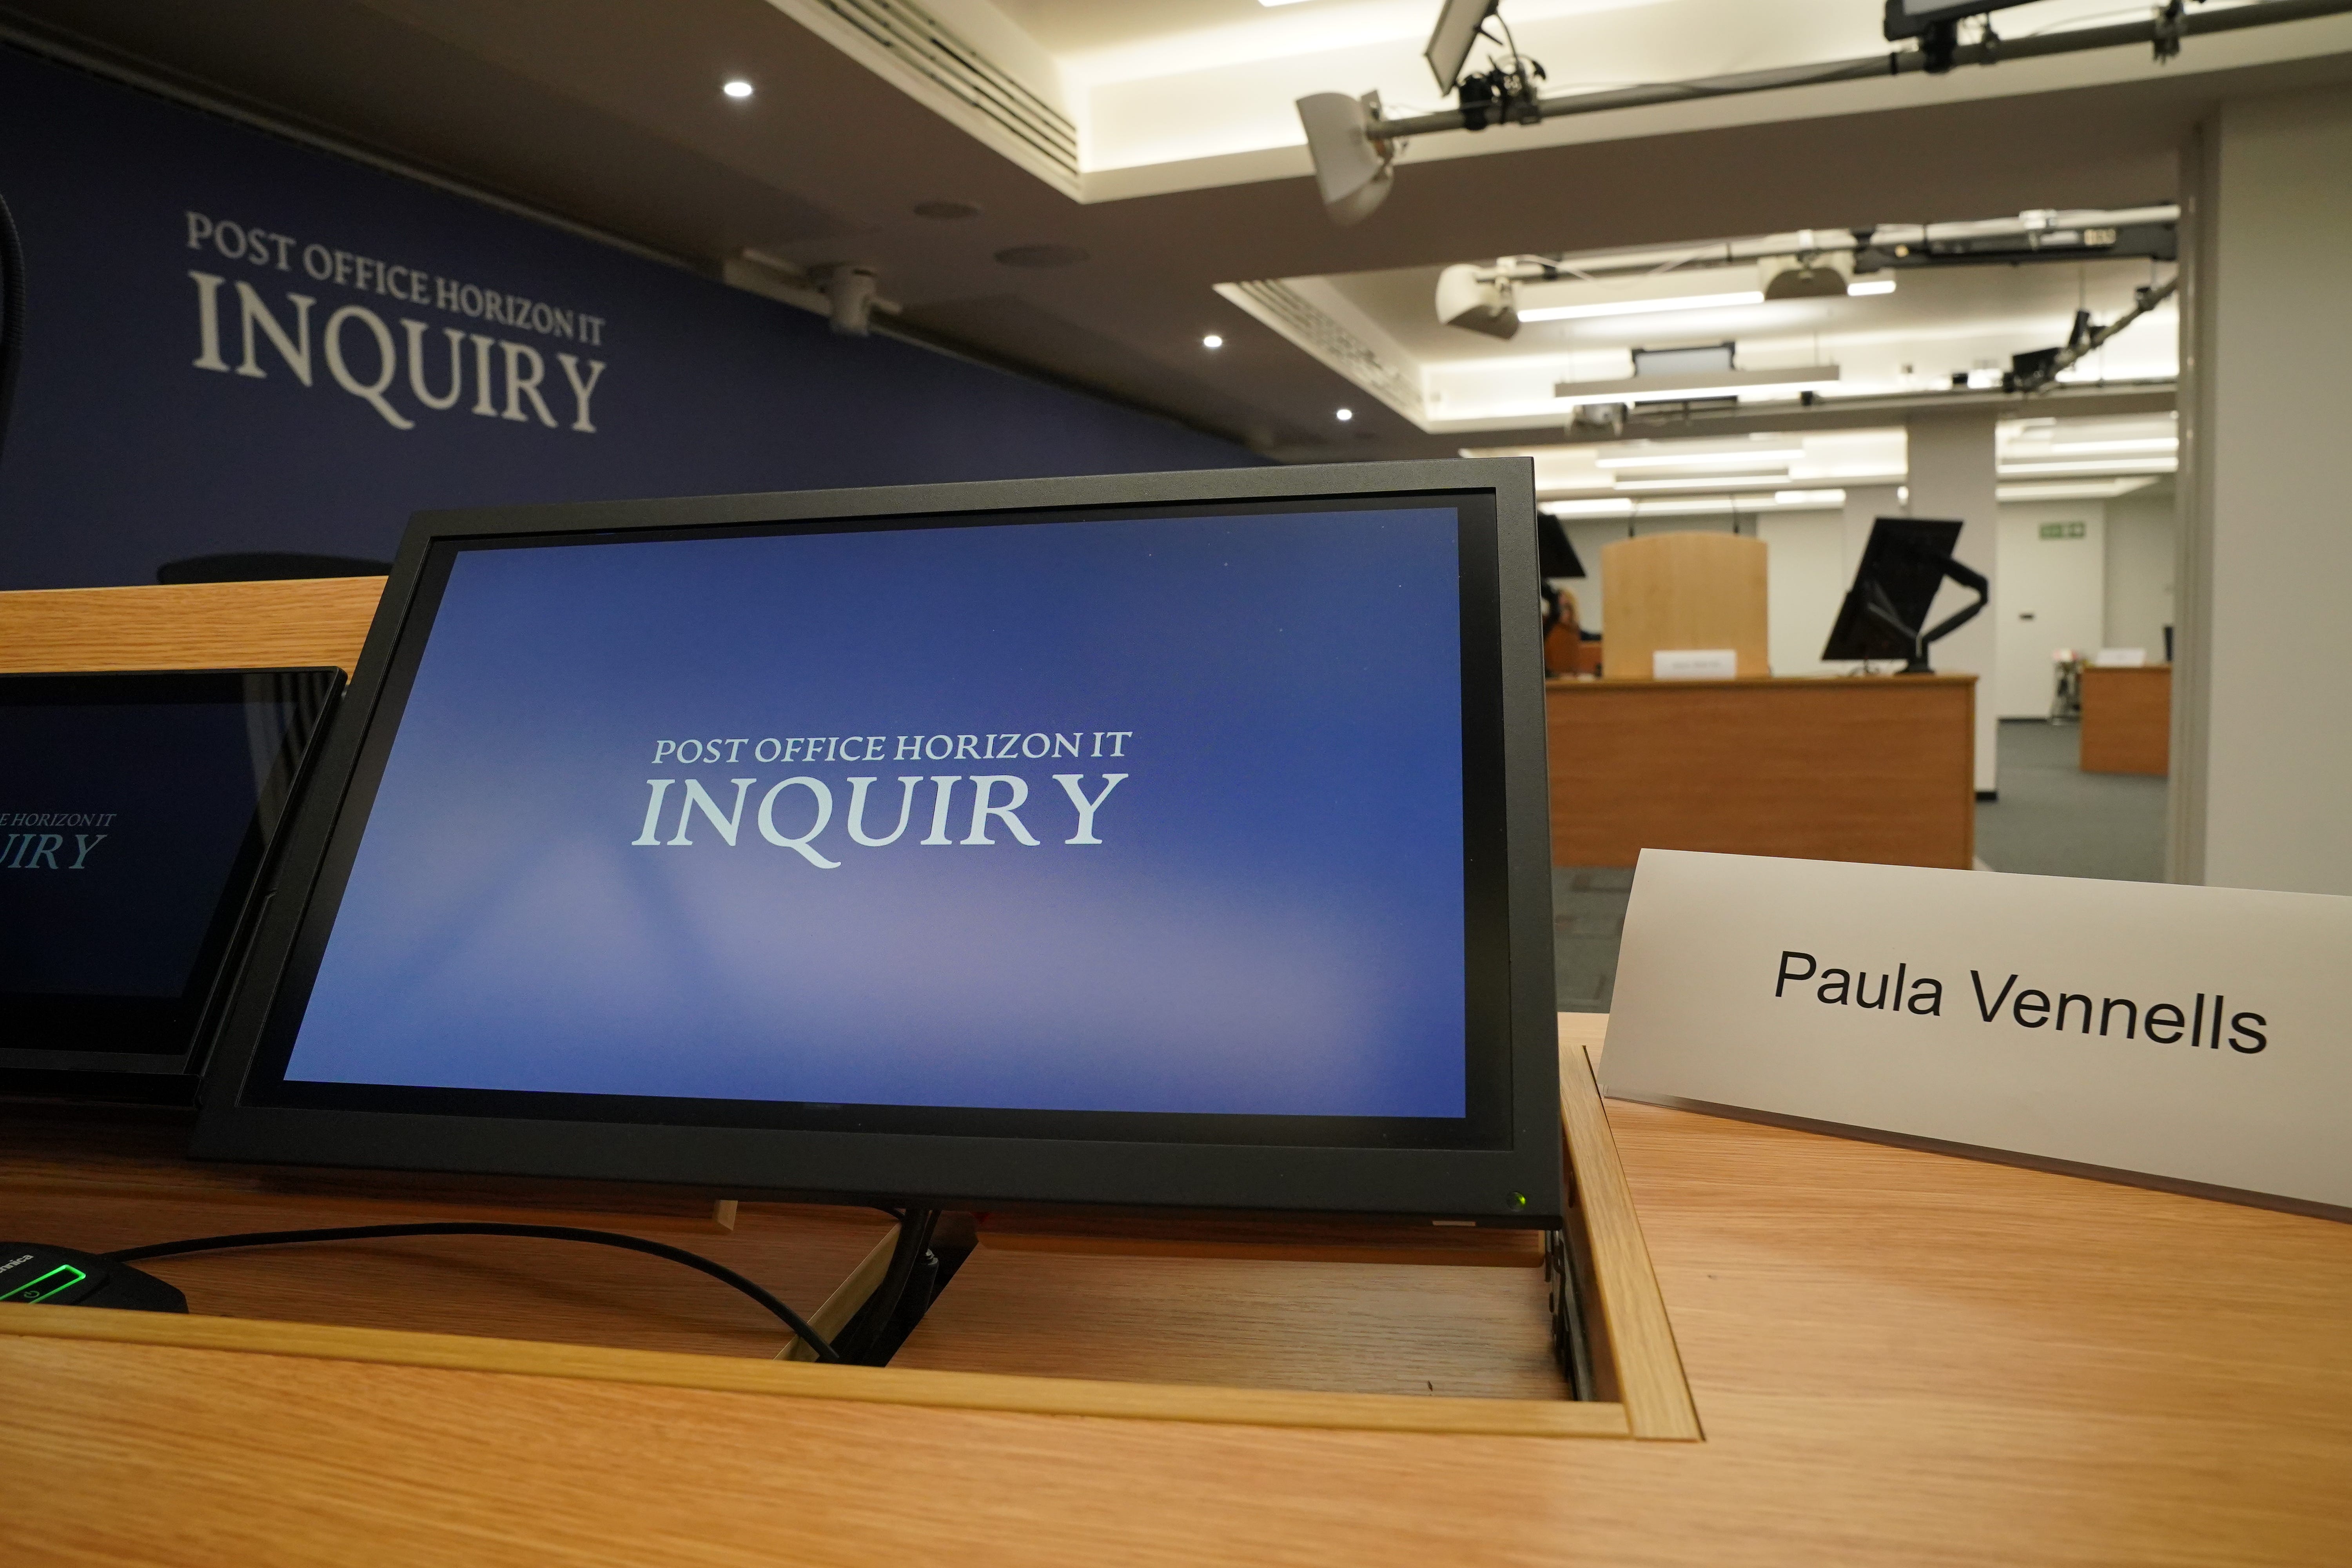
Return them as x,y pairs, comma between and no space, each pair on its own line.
61,1277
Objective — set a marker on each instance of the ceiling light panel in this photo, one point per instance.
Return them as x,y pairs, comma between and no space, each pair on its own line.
1670,460
2152,463
1640,307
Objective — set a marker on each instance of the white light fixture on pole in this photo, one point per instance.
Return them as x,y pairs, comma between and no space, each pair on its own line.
1352,166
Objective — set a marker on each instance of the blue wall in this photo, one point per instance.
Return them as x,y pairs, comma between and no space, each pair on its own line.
158,417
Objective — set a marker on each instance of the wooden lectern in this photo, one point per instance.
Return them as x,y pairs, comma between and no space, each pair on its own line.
1684,590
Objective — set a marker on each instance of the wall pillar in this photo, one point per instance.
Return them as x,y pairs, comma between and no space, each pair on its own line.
1954,474
2261,770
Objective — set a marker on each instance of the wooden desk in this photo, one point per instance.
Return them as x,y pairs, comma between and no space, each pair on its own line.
1861,768
2128,719
1900,1357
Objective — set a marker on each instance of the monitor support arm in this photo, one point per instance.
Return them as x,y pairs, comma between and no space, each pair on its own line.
1881,607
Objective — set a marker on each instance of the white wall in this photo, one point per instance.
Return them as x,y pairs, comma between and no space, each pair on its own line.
2053,597
2143,535
1953,474
1806,576
2263,715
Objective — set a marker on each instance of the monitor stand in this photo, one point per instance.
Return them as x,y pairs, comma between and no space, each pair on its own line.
1882,608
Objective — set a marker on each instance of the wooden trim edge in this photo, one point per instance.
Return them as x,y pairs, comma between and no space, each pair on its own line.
1649,1378
833,1313
1436,1415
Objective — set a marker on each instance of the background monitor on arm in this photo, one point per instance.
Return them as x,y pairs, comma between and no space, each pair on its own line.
1884,615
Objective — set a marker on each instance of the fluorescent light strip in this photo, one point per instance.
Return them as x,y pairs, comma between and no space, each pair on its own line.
2092,490
2152,444
1626,393
1640,307
1693,460
2091,465
1714,481
1790,500
1656,307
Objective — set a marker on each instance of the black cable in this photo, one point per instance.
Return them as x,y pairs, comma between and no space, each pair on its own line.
12,315
719,1271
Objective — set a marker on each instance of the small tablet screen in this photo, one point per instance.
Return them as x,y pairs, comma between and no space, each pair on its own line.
134,810
1079,826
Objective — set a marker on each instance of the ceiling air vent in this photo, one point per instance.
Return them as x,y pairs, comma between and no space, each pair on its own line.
900,39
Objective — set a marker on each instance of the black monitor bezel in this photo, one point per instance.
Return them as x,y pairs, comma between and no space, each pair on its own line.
136,1024
250,1113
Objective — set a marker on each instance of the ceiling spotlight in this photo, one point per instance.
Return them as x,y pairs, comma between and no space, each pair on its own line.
1352,166
737,88
1875,286
1213,341
1477,302
1344,415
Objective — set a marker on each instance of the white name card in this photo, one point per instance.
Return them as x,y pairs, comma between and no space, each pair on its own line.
2195,1034
1694,664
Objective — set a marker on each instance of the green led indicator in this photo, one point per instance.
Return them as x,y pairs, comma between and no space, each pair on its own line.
64,1276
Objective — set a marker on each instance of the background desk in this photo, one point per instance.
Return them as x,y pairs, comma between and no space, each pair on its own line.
2128,719
1861,768
1899,1357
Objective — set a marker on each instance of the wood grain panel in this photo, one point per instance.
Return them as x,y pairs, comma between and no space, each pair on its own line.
1903,1358
2128,720
1397,1328
1052,1395
101,1179
1685,591
1878,770
193,626
1648,1369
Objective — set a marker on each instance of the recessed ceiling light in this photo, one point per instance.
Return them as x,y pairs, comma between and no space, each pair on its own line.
737,87
1213,341
946,212
1875,286
1344,415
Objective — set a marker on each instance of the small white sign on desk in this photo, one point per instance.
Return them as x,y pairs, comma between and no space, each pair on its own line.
2198,1036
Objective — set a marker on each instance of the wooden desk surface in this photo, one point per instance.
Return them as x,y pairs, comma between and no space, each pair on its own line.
1900,1357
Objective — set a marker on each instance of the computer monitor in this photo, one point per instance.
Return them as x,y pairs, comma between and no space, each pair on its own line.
1884,615
136,810
1174,841
1556,557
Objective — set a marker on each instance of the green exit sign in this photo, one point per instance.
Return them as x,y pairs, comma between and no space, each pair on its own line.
2062,531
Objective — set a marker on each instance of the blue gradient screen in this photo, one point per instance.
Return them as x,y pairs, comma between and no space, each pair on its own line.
1152,814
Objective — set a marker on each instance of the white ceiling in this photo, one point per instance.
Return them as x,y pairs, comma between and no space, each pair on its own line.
1937,324
608,112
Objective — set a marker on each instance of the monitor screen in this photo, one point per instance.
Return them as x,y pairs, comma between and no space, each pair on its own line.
1178,825
134,812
